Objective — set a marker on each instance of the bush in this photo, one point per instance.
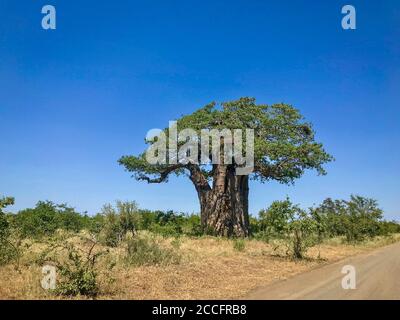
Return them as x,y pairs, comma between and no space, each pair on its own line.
79,276
147,218
357,219
331,214
192,225
239,245
255,225
118,221
301,235
295,228
4,224
274,221
46,218
111,232
77,268
170,223
363,218
8,251
169,229
389,227
146,250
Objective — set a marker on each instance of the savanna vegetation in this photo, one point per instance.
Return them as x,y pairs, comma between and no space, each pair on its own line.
125,251
91,252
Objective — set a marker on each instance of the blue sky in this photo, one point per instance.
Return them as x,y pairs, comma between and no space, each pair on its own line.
73,100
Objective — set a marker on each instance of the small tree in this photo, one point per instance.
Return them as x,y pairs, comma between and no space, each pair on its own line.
4,225
301,234
119,221
77,266
45,218
362,219
7,250
274,221
331,213
288,222
129,215
357,219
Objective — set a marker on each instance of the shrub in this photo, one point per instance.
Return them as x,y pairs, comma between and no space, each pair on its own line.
147,218
363,218
111,233
94,224
118,221
169,229
8,251
4,224
356,219
125,217
331,213
301,235
170,223
239,245
79,276
46,218
389,227
192,225
146,250
77,269
255,226
274,221
294,227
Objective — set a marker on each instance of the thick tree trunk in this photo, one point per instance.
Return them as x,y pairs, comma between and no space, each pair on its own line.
224,208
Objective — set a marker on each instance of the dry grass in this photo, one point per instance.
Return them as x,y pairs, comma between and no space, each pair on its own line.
210,269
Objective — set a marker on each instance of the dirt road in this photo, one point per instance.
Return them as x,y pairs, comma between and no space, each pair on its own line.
377,277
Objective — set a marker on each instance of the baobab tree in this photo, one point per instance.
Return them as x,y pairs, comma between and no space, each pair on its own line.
284,147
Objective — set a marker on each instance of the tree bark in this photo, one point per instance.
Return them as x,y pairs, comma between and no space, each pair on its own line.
224,208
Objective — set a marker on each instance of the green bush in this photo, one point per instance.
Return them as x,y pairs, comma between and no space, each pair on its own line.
166,230
8,251
118,221
46,218
146,250
170,223
357,219
78,276
239,245
77,268
294,227
255,225
389,227
301,235
147,218
192,225
274,221
331,214
111,232
4,224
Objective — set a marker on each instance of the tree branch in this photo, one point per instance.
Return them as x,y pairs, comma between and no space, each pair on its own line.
163,175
